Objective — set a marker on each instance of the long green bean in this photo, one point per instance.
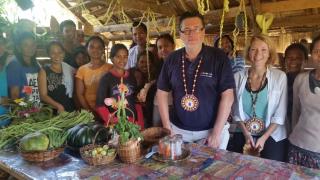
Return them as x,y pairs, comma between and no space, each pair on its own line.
63,122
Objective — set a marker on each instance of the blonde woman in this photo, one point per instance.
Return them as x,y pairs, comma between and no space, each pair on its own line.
261,102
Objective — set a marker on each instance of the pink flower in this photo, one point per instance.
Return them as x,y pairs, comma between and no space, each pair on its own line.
110,102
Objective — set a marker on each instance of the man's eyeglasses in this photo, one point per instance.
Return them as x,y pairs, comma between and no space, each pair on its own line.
189,31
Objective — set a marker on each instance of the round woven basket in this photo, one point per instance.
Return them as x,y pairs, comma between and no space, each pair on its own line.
151,136
129,152
98,160
40,156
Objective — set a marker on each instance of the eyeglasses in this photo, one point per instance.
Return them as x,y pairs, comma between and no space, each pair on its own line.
188,31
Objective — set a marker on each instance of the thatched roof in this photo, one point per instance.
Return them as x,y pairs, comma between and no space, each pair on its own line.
291,15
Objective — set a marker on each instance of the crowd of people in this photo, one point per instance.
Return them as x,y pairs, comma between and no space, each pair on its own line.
195,91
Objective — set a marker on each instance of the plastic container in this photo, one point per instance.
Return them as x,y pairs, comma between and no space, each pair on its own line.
170,147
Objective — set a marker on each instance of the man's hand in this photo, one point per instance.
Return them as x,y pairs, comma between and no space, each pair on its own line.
168,127
213,140
162,98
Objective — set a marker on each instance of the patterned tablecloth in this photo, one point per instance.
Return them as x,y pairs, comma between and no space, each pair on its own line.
225,165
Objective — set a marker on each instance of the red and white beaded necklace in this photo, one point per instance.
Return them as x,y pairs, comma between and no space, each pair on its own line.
189,102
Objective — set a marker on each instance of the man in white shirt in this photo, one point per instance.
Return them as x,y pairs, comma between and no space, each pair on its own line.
139,37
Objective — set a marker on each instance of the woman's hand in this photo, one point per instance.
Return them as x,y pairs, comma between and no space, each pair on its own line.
60,108
260,143
249,139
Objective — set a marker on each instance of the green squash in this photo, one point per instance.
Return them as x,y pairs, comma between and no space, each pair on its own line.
83,134
34,142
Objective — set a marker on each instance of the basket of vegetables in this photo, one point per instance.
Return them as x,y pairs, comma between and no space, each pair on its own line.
39,147
95,154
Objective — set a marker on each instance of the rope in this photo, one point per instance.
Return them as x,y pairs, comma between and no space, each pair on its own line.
80,3
225,9
109,12
183,5
202,7
173,26
264,21
124,16
152,16
147,45
236,31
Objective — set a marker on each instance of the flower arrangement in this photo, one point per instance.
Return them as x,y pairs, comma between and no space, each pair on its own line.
24,109
126,129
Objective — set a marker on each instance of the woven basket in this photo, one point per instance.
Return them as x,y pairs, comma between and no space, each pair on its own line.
40,156
129,152
151,136
98,160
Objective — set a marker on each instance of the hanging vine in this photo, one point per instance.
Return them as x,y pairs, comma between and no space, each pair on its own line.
224,10
147,45
83,8
123,16
110,11
183,5
240,23
172,24
203,6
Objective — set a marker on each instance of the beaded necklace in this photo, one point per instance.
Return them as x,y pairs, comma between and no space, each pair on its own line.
189,102
255,125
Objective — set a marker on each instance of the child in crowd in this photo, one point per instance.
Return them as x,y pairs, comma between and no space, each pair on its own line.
80,56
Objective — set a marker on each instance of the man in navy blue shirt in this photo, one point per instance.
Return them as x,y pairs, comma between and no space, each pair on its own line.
201,81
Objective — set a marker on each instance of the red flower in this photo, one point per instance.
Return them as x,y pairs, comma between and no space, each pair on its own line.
123,88
27,90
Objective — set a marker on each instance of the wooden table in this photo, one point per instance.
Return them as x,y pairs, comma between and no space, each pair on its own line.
226,165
